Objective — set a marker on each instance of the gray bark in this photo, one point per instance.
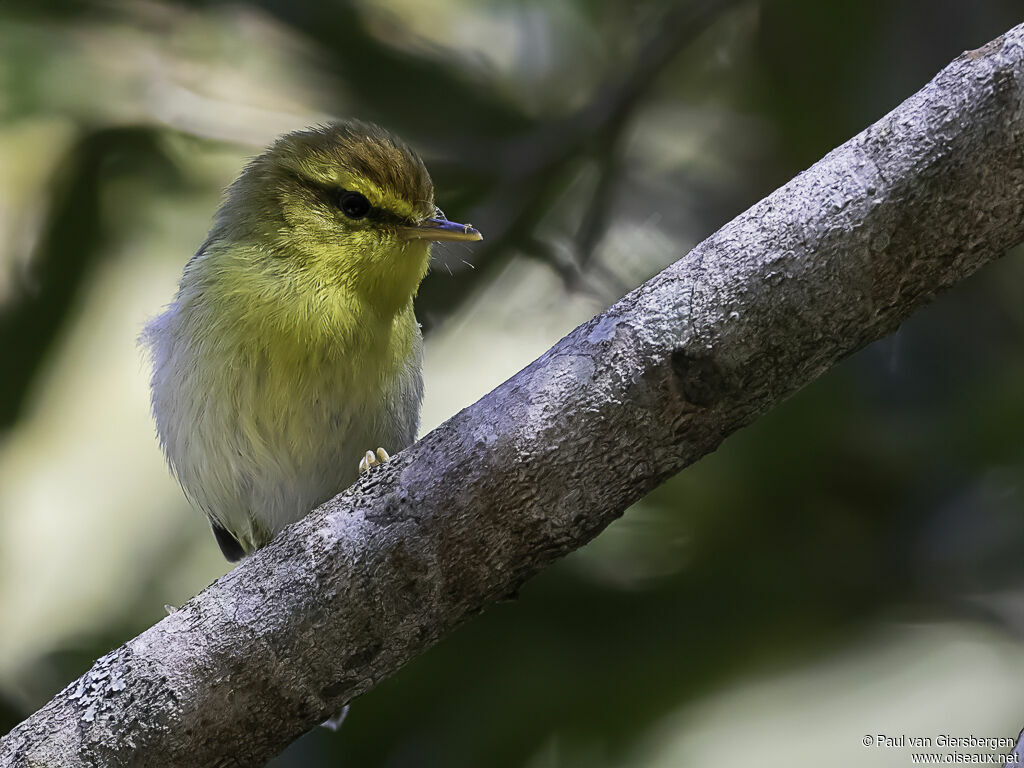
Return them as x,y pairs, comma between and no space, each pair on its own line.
833,260
1016,755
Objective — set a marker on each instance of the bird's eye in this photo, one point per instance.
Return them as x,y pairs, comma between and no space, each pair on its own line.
353,205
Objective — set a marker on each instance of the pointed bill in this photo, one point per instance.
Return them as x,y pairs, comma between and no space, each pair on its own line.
440,230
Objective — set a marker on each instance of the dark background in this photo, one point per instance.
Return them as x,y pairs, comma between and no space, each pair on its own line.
849,565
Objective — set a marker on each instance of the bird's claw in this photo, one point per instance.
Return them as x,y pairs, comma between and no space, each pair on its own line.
334,723
371,459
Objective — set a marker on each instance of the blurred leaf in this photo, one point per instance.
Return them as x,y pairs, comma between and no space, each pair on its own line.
73,236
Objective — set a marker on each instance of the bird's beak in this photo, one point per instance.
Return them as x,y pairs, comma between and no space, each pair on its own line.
440,230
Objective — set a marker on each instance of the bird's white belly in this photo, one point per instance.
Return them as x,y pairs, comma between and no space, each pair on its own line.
255,469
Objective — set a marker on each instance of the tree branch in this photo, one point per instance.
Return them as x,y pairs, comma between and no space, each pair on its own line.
534,168
830,262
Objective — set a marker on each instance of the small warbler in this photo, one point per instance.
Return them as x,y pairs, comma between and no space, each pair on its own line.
291,346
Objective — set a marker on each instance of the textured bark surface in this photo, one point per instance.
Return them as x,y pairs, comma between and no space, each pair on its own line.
831,261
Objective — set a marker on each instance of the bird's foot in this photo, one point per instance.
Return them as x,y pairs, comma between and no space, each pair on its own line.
334,723
372,459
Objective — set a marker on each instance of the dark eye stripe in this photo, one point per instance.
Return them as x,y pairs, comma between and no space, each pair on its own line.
382,216
333,194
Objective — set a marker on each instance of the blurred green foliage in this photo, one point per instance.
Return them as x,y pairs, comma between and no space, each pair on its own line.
890,488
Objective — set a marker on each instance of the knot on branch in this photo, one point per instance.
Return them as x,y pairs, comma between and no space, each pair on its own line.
699,378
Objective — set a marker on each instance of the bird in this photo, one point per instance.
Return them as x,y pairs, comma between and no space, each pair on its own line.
291,347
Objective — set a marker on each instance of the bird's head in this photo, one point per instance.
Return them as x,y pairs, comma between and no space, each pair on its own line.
344,207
